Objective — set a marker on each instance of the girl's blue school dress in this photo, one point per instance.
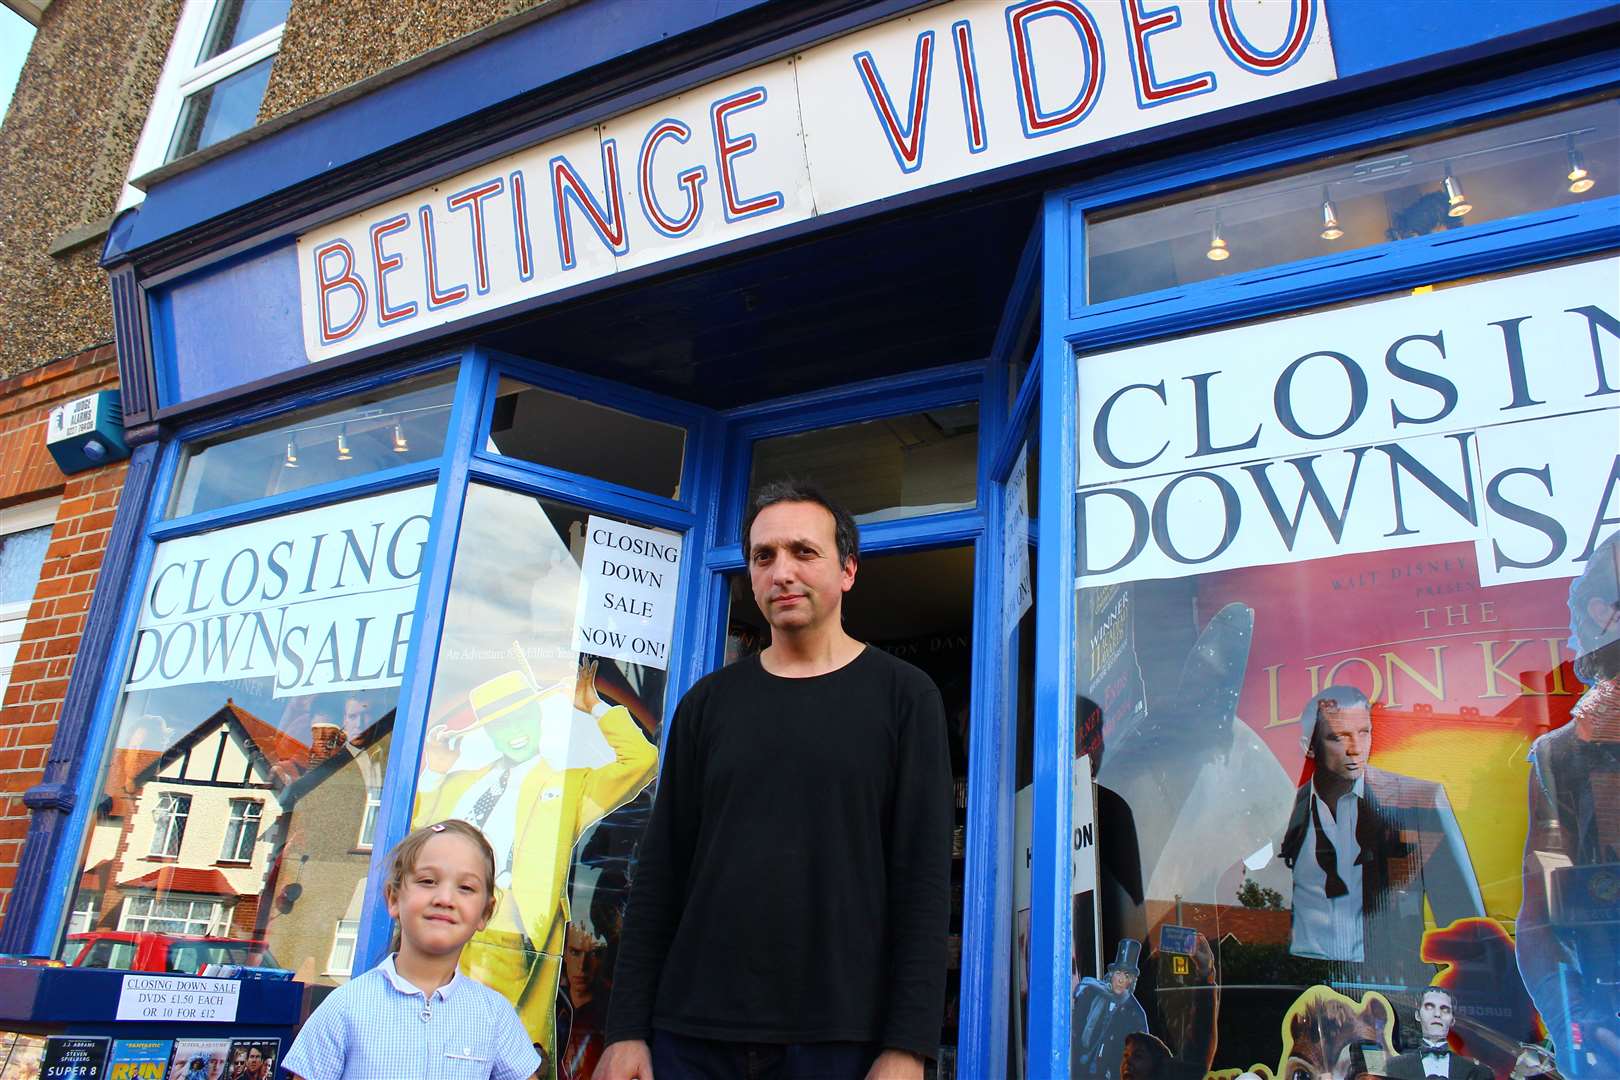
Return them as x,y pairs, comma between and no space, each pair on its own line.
380,1027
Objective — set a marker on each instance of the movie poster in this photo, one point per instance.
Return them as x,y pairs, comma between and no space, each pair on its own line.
73,1057
543,731
139,1059
1321,624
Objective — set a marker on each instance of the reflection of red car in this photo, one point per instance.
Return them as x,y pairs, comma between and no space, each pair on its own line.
125,950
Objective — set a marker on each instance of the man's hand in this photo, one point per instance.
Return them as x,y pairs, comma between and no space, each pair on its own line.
585,695
896,1065
439,751
628,1060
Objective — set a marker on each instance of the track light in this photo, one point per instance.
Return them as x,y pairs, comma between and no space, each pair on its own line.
1330,218
1455,197
400,445
291,460
1218,251
1580,178
343,448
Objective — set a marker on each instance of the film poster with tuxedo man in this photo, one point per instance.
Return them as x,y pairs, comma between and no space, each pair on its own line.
1337,573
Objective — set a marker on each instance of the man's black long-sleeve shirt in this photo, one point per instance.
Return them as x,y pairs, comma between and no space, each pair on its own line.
794,881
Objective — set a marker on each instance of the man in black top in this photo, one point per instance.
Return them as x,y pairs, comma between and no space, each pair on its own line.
792,893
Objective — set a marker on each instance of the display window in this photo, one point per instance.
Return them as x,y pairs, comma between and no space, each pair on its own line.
252,734
1345,619
543,730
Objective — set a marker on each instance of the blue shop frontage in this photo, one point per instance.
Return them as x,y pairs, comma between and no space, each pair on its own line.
1229,397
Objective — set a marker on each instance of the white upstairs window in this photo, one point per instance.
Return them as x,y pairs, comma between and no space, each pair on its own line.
213,81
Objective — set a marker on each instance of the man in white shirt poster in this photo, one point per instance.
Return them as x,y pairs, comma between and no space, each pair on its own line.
1366,847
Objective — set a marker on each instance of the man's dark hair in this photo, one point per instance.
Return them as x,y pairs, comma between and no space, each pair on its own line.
788,491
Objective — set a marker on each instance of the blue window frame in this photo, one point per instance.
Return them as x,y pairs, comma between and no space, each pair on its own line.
1072,328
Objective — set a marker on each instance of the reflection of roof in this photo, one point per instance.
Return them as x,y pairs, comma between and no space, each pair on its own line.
95,877
1248,926
272,745
183,879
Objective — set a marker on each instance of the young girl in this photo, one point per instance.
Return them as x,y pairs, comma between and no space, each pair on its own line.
414,1014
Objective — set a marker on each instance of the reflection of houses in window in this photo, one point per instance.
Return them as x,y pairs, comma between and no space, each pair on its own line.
1225,923
322,845
195,810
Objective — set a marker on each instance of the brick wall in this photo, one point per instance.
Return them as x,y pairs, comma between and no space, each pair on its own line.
28,712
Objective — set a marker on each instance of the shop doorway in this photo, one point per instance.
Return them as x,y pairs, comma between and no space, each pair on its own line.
917,605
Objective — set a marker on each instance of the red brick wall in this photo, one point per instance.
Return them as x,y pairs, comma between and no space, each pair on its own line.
28,712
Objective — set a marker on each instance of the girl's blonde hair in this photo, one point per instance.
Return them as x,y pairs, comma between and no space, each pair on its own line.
409,850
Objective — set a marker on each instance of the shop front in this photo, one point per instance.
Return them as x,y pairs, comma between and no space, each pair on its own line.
1229,398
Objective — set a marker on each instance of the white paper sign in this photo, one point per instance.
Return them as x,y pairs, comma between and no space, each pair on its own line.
1425,419
1083,866
176,999
958,89
627,588
1016,595
319,600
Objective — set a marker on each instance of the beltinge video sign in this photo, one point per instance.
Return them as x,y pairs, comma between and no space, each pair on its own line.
954,90
1487,412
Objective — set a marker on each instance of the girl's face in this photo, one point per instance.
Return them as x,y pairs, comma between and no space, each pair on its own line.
444,899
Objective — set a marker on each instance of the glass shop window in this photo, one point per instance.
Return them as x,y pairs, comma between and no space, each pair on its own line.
896,467
252,737
1347,615
548,698
577,436
1404,189
389,427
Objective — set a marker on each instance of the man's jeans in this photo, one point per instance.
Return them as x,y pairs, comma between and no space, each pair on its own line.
677,1057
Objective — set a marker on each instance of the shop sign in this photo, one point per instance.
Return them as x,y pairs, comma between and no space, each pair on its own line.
626,606
1016,595
319,600
957,89
1487,413
174,999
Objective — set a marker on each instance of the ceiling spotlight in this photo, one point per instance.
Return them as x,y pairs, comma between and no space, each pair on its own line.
343,448
291,460
1330,218
1580,178
400,445
1454,195
1218,251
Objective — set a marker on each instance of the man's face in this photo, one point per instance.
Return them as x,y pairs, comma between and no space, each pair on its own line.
356,717
255,1061
517,734
1343,740
239,1063
1434,1017
793,567
1120,982
579,957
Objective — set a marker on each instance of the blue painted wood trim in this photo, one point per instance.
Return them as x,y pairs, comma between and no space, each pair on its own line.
416,690
49,865
986,973
132,340
593,495
1051,933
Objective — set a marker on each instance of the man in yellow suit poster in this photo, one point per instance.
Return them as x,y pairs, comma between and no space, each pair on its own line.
564,762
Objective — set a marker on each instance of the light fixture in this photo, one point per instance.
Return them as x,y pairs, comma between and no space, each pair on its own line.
291,460
1454,195
343,448
1218,251
1330,218
400,445
1580,178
